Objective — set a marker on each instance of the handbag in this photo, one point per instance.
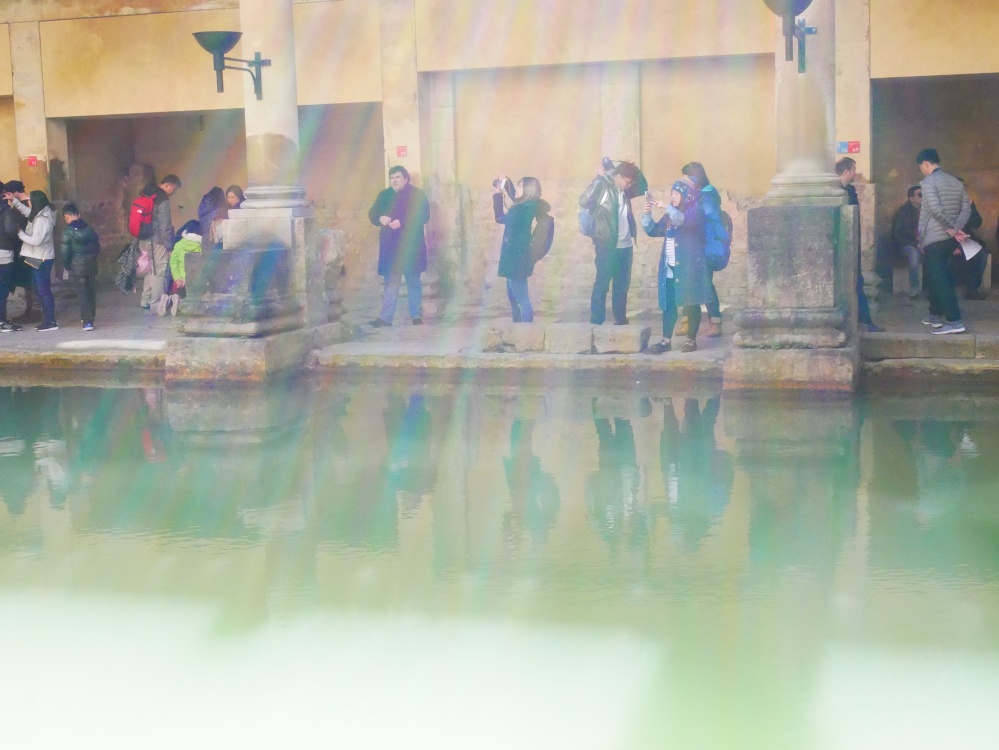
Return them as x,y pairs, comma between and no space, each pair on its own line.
143,264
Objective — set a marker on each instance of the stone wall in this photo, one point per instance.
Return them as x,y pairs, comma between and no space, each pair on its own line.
465,244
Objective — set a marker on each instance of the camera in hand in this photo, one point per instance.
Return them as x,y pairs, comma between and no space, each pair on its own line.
505,184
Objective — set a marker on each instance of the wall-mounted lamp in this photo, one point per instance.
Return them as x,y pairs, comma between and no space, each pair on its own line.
220,42
788,10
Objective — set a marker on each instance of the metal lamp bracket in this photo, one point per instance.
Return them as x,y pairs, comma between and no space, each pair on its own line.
801,32
252,67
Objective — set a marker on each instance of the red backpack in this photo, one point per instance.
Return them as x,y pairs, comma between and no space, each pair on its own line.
140,217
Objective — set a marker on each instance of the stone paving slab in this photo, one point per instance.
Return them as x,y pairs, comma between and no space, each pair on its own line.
912,345
629,339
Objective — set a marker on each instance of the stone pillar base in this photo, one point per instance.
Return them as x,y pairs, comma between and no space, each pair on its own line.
211,359
820,370
239,293
798,331
295,229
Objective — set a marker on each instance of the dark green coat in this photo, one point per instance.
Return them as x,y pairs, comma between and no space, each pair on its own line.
515,260
80,248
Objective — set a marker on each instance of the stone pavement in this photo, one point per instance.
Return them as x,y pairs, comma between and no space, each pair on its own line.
129,345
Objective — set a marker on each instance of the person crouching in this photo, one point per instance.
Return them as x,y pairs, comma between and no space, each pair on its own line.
80,248
189,242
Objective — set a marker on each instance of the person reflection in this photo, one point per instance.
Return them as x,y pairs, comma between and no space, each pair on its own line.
612,491
534,495
411,471
17,470
697,475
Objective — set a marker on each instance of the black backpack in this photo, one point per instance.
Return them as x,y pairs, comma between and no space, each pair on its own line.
542,236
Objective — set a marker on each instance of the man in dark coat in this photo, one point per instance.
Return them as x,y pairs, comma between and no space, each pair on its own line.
846,170
904,224
401,210
609,197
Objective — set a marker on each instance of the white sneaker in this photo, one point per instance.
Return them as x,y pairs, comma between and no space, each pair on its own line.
174,304
161,306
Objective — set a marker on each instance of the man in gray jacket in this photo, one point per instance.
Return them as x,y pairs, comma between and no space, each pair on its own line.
944,212
161,243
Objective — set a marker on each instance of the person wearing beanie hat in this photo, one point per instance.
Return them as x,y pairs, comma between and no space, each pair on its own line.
38,247
683,270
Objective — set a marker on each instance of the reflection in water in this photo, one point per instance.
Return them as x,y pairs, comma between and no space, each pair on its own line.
612,493
747,550
534,497
697,475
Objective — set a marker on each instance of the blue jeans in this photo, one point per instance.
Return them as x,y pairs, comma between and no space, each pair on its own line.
520,300
414,294
41,280
612,265
863,307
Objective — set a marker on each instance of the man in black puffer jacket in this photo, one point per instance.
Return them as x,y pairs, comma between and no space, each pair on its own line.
80,248
10,243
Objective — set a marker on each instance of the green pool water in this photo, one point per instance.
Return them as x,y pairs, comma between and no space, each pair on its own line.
480,565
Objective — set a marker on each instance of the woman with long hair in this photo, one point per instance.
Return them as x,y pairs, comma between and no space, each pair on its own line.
212,211
38,251
234,196
516,262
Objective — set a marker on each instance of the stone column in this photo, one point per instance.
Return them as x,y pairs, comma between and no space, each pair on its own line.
269,277
445,234
272,145
853,121
798,330
42,145
806,117
620,108
400,97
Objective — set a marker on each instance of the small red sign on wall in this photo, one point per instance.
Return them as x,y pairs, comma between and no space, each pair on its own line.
853,147
401,151
32,161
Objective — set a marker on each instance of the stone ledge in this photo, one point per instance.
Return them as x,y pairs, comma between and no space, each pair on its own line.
629,339
987,347
877,346
976,372
569,338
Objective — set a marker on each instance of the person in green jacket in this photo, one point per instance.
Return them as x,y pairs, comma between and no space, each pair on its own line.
189,242
80,248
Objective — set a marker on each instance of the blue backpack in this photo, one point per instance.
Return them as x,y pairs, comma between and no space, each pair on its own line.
718,240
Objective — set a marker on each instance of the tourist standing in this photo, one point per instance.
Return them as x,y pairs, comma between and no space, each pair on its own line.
903,231
158,246
10,242
80,248
38,249
944,213
608,198
846,169
683,270
711,203
516,262
401,210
